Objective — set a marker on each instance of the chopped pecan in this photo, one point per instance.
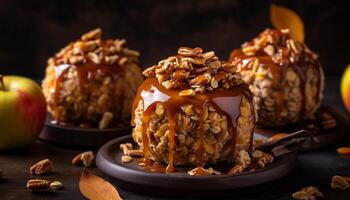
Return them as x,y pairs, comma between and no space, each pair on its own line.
309,192
85,158
42,167
76,59
200,171
92,48
94,34
125,147
135,153
41,185
188,92
340,183
192,68
126,159
236,170
56,185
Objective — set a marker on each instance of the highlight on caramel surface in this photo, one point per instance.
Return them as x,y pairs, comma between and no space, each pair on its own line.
284,75
209,125
91,82
284,18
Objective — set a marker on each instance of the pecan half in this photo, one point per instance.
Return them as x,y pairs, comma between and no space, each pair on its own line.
340,183
41,185
85,158
42,167
38,185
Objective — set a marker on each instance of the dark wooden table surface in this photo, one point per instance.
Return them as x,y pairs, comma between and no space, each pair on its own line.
314,168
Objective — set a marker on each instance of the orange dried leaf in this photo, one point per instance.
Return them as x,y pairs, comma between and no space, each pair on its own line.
96,188
344,151
278,136
282,17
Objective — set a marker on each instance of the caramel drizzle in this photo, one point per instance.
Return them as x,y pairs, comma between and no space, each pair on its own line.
266,61
84,72
226,102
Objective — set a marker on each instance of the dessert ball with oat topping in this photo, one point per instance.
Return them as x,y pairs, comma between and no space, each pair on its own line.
92,82
284,75
192,109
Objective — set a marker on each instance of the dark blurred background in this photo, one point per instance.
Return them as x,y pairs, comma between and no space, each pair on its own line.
32,31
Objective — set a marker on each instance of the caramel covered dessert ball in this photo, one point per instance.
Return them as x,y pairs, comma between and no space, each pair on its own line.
284,75
92,82
192,110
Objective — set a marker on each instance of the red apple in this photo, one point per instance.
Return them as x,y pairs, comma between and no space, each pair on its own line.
22,112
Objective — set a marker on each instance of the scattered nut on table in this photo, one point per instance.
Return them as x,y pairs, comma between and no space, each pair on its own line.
85,158
340,183
42,167
308,193
56,185
41,185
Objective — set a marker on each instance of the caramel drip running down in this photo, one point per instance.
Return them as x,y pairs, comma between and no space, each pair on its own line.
84,72
278,72
226,102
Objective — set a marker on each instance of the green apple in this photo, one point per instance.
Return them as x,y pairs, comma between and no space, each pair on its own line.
22,112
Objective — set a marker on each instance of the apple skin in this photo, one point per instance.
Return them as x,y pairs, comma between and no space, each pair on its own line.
345,87
22,112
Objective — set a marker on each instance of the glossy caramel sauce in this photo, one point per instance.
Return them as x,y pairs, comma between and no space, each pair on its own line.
279,70
86,71
226,102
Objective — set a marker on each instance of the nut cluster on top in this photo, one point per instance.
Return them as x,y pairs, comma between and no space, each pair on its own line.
92,48
280,46
194,71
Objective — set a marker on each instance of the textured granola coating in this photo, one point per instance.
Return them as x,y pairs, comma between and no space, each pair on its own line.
217,142
284,75
92,82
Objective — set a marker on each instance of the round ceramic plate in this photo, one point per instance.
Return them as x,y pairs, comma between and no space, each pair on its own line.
76,137
133,177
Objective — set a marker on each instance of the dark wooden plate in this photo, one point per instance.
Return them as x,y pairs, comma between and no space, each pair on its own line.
133,177
81,138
